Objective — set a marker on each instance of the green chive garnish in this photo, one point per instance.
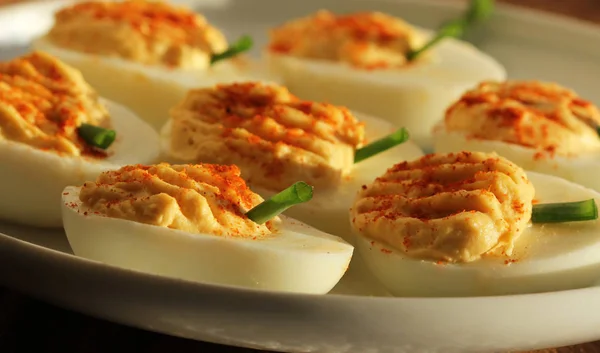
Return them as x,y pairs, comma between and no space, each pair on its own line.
298,193
96,136
565,212
478,10
243,44
598,130
384,144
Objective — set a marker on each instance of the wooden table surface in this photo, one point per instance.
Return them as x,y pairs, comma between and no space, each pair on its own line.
27,325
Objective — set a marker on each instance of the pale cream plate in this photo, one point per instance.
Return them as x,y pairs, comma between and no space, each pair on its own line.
357,316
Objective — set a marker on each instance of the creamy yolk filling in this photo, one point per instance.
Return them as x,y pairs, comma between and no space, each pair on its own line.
202,198
43,102
147,32
367,40
533,114
447,207
275,138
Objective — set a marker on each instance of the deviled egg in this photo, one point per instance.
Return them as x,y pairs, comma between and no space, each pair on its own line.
468,224
276,139
194,222
54,132
360,60
143,54
540,126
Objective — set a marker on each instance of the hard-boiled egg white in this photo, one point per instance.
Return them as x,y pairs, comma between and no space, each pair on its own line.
295,258
328,210
547,257
150,91
413,97
33,179
582,169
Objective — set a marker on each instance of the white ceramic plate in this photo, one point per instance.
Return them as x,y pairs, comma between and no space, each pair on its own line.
356,316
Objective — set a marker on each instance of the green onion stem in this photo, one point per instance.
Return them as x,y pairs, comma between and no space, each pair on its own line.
565,212
297,193
478,10
97,136
381,145
243,44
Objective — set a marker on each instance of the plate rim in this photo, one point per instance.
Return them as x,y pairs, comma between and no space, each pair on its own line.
63,258
521,13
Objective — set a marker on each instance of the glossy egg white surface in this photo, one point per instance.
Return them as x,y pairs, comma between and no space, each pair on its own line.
413,97
33,179
547,257
296,258
150,91
583,169
328,209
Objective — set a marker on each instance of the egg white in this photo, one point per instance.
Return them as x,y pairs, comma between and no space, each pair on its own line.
33,179
582,169
549,257
413,97
150,91
328,209
296,258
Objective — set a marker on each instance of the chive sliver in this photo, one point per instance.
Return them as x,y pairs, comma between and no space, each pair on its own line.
97,136
297,193
381,145
478,10
243,44
565,212
453,29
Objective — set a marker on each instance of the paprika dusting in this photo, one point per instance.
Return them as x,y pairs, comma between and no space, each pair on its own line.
43,102
447,207
146,32
201,198
533,114
364,40
275,138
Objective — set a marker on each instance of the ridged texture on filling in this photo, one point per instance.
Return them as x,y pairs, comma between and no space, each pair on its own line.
539,115
448,207
366,40
43,102
147,32
201,198
275,138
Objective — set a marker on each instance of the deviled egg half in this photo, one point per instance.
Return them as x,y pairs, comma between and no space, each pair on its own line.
202,223
144,54
466,224
360,60
276,139
540,126
54,132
